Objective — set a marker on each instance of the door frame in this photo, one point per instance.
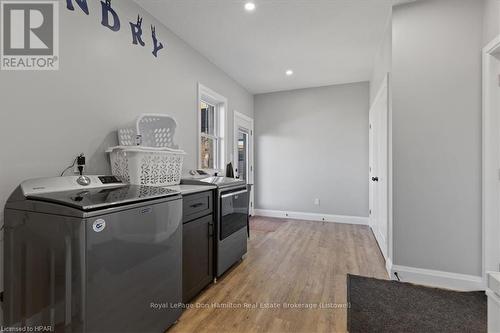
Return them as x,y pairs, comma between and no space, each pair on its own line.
251,171
385,85
491,160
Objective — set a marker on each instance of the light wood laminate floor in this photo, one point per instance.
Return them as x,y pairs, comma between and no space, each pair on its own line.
301,263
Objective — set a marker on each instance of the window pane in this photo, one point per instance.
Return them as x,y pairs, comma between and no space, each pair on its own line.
242,155
207,118
208,152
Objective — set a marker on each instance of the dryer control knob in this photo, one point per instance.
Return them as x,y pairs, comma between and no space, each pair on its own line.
83,180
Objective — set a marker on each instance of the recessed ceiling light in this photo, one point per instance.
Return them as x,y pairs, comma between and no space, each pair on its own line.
289,72
249,6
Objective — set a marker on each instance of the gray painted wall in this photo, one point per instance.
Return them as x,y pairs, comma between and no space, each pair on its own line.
437,135
382,62
103,83
313,143
491,20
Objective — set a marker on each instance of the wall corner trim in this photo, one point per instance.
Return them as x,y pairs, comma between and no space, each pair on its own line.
388,267
313,216
439,279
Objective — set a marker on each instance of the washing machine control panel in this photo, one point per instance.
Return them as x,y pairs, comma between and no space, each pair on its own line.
59,184
110,180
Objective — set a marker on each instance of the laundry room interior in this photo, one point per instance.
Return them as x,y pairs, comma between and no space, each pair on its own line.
250,166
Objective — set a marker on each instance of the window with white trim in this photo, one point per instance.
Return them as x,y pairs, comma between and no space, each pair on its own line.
211,115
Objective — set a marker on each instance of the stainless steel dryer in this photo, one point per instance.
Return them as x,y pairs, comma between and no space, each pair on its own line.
232,219
99,258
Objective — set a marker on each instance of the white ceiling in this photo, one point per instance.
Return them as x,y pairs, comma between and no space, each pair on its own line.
324,41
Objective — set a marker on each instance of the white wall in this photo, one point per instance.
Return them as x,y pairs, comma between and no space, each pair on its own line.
437,135
313,143
491,27
104,82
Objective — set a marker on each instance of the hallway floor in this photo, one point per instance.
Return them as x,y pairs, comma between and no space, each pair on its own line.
292,280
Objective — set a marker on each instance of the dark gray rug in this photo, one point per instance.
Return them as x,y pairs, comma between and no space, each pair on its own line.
391,306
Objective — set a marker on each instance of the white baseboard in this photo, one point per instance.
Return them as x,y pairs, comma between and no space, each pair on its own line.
439,279
312,216
388,267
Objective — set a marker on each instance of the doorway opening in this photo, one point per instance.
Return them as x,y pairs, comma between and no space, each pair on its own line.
243,153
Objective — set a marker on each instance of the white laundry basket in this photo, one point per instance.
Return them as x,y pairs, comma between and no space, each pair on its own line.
147,166
150,130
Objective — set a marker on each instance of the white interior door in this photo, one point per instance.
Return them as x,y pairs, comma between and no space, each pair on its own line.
243,152
379,179
491,157
495,90
491,180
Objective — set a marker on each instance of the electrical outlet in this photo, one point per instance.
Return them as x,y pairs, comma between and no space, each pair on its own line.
317,202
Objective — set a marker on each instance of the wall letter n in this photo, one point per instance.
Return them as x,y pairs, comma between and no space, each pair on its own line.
81,3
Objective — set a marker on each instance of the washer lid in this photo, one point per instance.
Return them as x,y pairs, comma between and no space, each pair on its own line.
101,198
220,182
